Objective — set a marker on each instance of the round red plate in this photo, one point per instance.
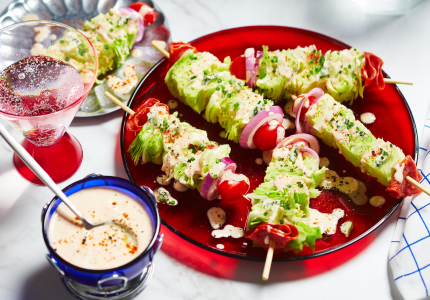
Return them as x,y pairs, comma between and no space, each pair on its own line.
188,219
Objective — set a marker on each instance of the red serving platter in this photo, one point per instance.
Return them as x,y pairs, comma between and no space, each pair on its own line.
394,122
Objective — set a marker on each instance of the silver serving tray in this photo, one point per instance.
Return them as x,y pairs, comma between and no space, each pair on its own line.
74,13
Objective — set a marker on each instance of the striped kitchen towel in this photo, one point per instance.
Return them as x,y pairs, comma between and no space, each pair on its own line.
409,253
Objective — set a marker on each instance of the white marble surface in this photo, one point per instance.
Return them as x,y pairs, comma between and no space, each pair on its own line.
403,43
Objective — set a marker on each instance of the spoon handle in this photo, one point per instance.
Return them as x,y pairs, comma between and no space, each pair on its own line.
34,166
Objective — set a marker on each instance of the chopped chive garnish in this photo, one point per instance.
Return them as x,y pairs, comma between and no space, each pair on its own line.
194,77
265,213
236,106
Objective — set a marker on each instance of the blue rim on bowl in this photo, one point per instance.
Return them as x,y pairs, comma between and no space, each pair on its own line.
91,277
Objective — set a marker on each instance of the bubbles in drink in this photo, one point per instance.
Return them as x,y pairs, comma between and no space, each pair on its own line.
39,85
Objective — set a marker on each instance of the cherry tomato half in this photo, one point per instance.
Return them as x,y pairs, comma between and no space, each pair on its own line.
146,11
305,109
267,136
230,190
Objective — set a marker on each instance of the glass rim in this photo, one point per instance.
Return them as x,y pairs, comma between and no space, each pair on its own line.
86,92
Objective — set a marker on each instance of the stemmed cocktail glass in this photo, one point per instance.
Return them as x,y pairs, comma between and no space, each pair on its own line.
48,69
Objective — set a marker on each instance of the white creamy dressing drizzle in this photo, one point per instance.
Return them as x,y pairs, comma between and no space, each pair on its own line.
136,52
42,33
267,156
123,86
194,167
230,176
367,118
163,196
288,124
30,17
163,179
36,49
259,161
125,236
217,169
398,175
172,104
281,181
326,222
217,217
355,189
377,201
179,186
229,230
272,122
220,246
324,162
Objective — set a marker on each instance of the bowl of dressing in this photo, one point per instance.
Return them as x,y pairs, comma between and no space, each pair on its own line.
113,260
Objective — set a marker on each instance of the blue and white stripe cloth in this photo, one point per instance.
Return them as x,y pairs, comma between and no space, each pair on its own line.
409,253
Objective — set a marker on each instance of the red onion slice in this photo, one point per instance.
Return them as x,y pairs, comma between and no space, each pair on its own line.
264,116
126,11
296,104
310,152
267,156
207,191
209,187
299,127
260,54
317,93
250,67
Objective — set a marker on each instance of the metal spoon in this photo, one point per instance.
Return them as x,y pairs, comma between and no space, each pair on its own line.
34,166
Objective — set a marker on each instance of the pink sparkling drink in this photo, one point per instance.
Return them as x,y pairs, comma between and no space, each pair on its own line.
36,86
40,93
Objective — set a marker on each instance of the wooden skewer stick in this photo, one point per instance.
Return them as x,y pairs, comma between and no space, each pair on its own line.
268,262
160,49
163,51
418,185
119,103
395,81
